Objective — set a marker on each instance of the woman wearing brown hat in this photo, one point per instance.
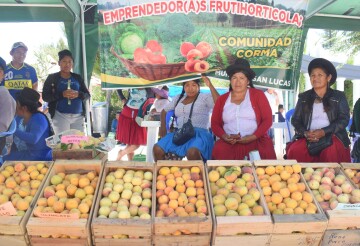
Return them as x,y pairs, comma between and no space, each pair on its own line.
33,127
242,117
320,119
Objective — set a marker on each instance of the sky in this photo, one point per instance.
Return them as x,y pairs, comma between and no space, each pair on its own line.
32,34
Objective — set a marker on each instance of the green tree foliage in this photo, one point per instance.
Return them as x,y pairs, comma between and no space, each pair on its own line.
47,57
342,42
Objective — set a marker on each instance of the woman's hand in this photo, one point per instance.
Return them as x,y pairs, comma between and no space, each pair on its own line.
247,139
229,139
314,135
206,80
70,94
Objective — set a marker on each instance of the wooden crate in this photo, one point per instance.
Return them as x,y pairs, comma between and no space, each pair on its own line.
338,219
226,229
13,228
341,238
296,224
78,154
200,227
353,166
133,227
78,229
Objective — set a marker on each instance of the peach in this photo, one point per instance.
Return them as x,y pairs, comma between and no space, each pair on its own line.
190,191
205,48
339,179
220,210
285,175
276,198
185,48
297,196
167,190
347,188
58,206
231,203
270,170
314,184
268,191
164,171
172,183
19,167
22,204
336,189
343,198
194,54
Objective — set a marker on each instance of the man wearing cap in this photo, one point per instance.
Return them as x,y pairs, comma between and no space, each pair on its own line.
19,74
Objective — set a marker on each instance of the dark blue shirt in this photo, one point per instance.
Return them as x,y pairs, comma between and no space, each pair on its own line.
63,106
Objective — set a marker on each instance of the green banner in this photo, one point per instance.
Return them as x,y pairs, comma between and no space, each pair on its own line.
147,42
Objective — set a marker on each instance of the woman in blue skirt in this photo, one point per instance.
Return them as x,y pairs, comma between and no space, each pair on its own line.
200,146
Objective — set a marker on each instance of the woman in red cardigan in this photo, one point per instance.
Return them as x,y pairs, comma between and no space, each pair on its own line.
242,117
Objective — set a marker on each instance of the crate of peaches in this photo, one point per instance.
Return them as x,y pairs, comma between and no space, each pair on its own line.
336,194
123,207
63,210
287,193
20,185
181,213
239,209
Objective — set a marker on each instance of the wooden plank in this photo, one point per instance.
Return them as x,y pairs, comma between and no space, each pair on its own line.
274,162
168,225
79,154
341,238
104,228
122,242
182,240
16,225
72,227
38,241
14,240
252,240
239,224
296,239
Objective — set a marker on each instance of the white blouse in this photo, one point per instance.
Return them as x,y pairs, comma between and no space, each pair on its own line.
201,111
319,117
239,118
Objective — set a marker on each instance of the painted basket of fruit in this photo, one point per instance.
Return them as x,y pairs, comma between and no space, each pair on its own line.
151,66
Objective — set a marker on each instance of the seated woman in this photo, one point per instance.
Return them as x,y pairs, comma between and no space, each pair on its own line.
32,129
321,113
242,117
200,146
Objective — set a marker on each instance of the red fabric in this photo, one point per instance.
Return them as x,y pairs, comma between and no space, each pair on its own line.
263,114
225,151
335,153
128,131
261,108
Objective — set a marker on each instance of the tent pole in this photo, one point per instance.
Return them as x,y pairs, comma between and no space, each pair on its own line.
83,47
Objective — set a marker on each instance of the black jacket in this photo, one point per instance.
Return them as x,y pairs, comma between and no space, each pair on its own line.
52,96
338,113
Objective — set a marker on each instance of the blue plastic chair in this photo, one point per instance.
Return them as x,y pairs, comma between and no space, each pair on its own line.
288,116
169,115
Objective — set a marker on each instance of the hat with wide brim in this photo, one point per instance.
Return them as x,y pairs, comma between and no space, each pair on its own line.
325,64
29,97
239,66
162,93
